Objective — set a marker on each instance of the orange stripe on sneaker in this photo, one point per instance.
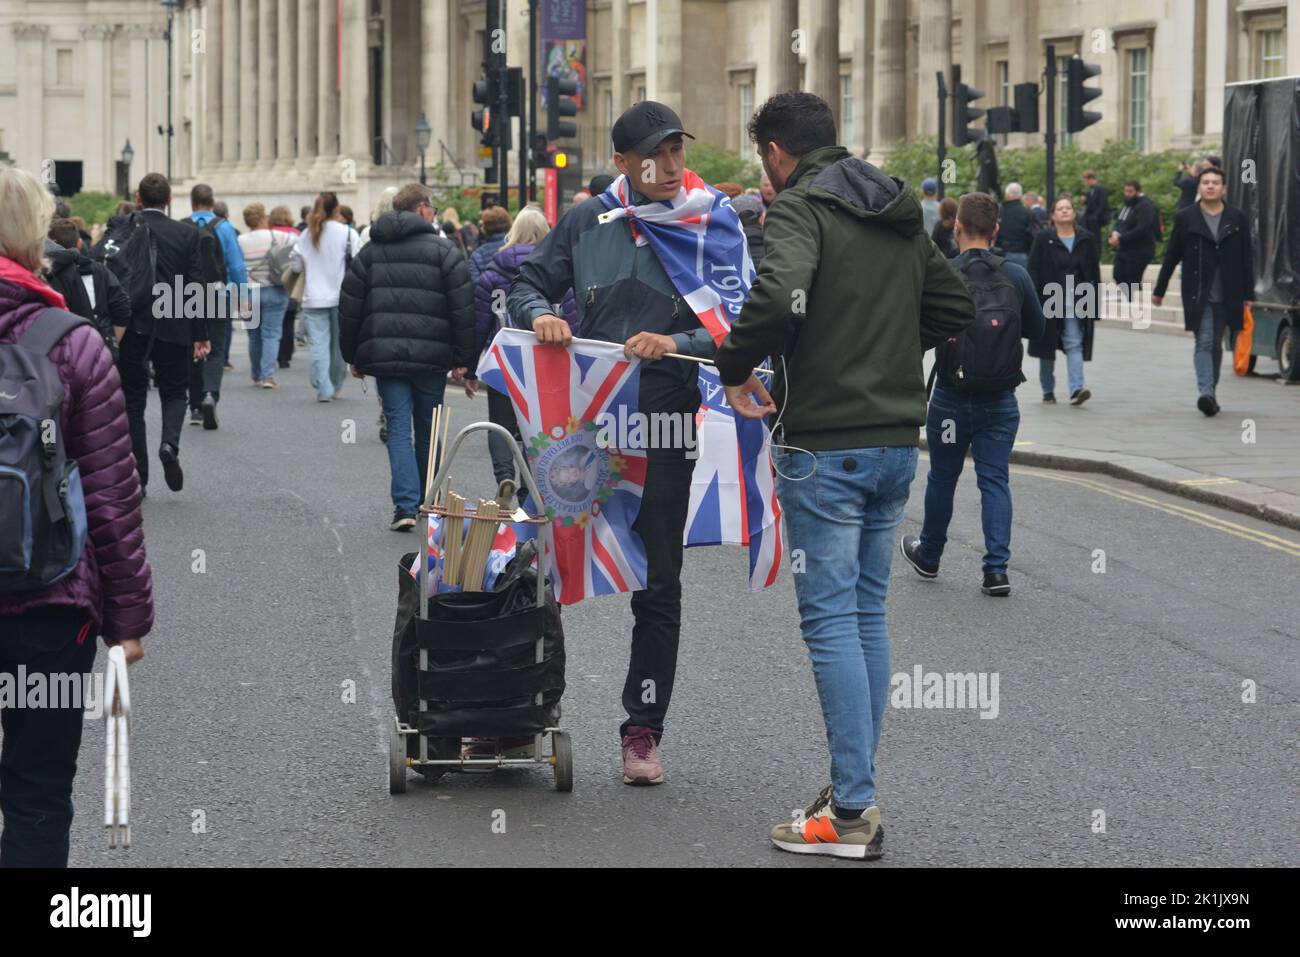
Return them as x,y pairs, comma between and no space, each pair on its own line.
820,830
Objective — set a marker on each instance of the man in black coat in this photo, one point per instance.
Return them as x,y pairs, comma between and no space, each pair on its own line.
168,326
1016,227
89,287
406,317
1212,241
1134,237
1096,208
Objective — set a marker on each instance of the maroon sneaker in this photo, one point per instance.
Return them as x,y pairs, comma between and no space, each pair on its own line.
641,757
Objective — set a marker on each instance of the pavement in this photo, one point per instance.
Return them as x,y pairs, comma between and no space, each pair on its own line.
1148,681
1142,424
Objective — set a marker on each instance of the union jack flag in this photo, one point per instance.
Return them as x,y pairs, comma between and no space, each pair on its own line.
591,490
501,551
697,238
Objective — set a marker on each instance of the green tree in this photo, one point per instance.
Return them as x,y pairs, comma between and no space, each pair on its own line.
717,165
95,208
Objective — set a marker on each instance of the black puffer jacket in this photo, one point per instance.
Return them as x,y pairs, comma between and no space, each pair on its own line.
112,307
407,304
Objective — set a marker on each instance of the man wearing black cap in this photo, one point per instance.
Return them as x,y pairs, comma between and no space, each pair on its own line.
624,295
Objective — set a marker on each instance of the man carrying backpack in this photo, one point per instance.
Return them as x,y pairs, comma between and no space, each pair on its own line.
974,401
89,287
164,252
221,262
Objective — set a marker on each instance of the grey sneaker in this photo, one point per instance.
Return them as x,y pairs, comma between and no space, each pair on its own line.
818,831
641,763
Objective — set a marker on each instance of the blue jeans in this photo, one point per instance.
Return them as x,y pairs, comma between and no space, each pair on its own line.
841,511
327,366
986,424
264,338
1072,346
1208,357
1020,259
406,398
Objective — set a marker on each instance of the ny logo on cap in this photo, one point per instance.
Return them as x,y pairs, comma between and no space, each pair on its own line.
655,117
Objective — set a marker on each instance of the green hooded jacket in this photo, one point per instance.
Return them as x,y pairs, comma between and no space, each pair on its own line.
849,296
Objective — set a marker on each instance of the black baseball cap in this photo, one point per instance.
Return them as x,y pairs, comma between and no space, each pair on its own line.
644,126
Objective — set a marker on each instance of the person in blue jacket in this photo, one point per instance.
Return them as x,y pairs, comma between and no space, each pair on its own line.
205,376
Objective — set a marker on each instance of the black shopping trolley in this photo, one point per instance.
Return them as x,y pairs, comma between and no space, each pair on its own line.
483,665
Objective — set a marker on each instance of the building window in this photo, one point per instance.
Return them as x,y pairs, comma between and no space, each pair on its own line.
1137,85
1272,54
1062,100
846,110
1002,88
745,99
63,67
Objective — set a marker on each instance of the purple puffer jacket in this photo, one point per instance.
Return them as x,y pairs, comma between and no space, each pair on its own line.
499,275
112,581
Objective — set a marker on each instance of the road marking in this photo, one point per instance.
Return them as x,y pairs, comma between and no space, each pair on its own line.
1214,480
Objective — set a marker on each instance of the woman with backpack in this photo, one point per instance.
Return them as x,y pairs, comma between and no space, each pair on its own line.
491,289
49,616
266,256
1064,258
325,250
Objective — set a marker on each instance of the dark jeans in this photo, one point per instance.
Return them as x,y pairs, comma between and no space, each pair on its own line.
1129,269
657,609
206,376
502,413
39,758
286,333
171,370
986,424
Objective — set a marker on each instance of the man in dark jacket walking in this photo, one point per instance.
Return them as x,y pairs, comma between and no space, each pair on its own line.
624,295
850,294
89,287
1212,241
406,317
1134,237
160,331
1016,227
1096,207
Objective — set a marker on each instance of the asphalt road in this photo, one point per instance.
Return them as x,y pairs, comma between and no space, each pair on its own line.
1119,692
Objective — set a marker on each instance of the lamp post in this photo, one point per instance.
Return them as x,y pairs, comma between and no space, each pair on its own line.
170,7
423,134
128,154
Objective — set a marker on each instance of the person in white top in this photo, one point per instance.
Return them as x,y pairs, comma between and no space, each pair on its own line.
262,249
324,250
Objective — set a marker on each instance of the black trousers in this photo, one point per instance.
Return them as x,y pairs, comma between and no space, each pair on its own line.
502,413
657,609
171,369
206,376
1129,269
286,334
39,757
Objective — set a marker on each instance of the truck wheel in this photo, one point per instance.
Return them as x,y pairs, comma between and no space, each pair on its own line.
1287,348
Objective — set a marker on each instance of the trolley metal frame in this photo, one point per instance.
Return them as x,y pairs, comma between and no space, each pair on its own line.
561,757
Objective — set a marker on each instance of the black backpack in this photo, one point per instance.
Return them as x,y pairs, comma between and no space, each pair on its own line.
987,355
212,261
136,265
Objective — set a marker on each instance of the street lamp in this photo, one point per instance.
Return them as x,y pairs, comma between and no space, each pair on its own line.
423,134
128,154
170,7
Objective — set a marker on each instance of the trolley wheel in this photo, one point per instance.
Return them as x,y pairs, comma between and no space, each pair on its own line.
562,752
396,762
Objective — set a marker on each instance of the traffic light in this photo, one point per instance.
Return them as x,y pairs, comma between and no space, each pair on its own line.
1025,117
1078,96
963,115
559,103
485,94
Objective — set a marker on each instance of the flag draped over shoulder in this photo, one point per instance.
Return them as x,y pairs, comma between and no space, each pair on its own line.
698,240
591,489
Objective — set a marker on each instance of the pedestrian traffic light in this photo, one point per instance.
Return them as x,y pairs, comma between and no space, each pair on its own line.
1078,96
963,115
560,103
485,94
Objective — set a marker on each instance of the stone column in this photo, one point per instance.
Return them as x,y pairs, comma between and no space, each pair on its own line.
889,93
823,65
267,80
355,96
862,14
935,55
1026,59
141,130
783,21
29,147
248,43
1217,39
209,113
308,79
620,27
327,98
229,13
663,72
974,33
435,77
97,109
286,79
